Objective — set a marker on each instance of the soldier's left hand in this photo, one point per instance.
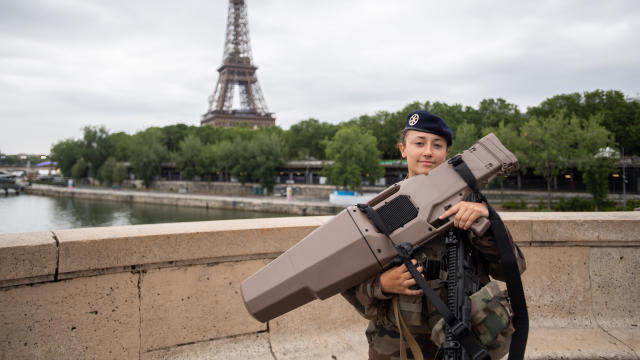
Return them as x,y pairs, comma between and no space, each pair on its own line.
466,213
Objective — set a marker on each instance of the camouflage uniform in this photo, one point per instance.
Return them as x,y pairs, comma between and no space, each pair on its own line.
418,312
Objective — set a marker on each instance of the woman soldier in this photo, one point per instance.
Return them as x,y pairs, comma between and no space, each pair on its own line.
425,143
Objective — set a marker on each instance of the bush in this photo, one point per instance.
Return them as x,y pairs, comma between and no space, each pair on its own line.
631,205
575,204
514,205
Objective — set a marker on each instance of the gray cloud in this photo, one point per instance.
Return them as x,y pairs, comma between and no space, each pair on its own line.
128,65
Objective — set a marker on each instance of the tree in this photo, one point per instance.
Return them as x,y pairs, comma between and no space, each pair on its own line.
189,152
305,139
207,161
494,111
66,153
175,134
225,156
96,148
119,174
106,171
595,158
355,155
122,144
267,153
620,116
79,169
549,146
465,136
453,115
149,153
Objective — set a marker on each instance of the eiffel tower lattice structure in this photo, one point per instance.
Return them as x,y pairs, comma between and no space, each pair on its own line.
237,75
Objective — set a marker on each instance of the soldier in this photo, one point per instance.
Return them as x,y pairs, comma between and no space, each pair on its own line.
425,143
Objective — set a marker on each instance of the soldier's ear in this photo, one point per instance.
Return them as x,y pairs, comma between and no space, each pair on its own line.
401,147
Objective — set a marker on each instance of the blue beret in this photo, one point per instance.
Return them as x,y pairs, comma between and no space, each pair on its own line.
422,120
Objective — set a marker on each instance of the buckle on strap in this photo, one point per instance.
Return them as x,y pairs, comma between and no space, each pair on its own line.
456,160
459,330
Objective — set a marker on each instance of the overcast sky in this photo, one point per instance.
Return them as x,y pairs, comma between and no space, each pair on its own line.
132,64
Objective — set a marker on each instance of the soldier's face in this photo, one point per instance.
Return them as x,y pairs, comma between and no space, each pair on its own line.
423,151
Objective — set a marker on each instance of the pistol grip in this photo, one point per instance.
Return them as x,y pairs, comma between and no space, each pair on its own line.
480,226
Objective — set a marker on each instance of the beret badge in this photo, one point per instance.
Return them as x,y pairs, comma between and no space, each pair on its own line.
414,119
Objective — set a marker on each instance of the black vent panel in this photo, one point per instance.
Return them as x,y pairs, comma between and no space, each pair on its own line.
397,212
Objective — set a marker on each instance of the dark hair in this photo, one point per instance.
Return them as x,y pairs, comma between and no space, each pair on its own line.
403,136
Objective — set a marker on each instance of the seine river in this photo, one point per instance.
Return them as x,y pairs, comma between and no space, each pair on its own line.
28,213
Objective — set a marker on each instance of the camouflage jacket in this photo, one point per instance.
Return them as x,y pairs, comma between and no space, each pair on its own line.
417,311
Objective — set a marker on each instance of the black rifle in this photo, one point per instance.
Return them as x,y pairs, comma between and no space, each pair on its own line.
462,282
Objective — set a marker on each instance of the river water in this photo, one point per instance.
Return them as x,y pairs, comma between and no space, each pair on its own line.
28,213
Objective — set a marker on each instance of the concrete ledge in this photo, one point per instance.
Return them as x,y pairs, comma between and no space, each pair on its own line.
171,291
122,246
28,255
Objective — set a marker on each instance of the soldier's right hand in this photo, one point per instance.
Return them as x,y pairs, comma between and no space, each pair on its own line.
398,280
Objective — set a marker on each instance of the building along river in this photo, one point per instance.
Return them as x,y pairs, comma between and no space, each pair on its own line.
28,213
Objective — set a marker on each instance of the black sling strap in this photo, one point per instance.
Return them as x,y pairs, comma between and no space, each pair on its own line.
509,265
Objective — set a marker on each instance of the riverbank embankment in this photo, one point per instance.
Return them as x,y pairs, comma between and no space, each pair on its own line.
246,203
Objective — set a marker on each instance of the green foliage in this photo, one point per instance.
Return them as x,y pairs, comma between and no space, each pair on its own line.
123,146
119,174
631,205
549,145
305,139
149,152
564,130
619,116
465,136
574,204
175,134
514,205
355,155
492,112
188,156
454,115
96,147
105,173
207,161
79,169
267,153
593,159
225,155
66,153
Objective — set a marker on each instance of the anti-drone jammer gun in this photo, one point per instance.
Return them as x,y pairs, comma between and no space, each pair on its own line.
349,249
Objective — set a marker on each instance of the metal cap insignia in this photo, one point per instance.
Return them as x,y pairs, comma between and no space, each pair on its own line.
414,119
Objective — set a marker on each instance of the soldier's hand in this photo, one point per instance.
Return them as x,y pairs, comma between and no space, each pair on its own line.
466,213
397,280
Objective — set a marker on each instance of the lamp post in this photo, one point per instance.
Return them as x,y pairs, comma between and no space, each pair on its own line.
624,181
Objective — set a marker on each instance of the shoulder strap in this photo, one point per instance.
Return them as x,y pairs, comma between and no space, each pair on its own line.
509,264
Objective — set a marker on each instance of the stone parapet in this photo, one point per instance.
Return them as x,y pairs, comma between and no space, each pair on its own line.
171,291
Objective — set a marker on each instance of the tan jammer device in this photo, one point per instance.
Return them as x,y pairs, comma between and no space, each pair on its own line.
349,249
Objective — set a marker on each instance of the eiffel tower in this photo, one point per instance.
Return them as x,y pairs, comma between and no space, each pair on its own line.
237,74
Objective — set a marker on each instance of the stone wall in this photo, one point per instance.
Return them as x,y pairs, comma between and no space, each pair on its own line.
171,291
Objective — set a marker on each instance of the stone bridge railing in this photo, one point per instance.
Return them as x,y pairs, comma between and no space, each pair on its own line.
171,291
